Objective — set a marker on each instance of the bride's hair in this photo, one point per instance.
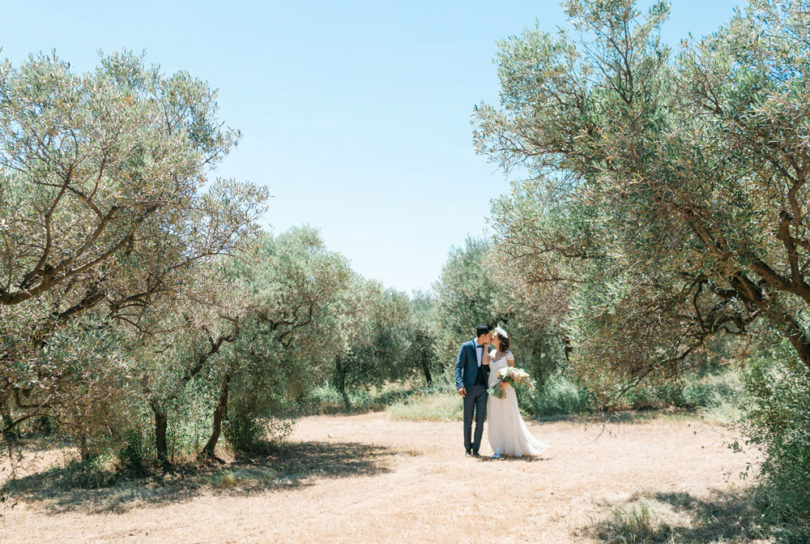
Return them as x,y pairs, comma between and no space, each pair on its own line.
503,336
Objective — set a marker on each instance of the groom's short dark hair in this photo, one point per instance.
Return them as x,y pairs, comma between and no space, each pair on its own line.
482,329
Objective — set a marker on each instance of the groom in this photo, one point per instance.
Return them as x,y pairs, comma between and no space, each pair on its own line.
472,373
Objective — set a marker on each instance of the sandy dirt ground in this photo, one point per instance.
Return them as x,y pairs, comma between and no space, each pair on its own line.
366,478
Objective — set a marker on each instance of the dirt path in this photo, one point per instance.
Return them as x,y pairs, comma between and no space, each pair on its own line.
366,478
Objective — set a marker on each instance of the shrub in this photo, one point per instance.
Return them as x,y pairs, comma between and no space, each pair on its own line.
777,419
136,451
713,389
247,433
655,395
558,396
91,473
694,390
243,432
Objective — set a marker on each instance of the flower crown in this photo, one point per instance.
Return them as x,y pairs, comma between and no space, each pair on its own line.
501,332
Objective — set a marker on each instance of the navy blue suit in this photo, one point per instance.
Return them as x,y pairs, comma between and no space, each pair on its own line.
467,365
475,401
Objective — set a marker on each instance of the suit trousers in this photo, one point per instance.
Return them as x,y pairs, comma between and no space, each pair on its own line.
475,406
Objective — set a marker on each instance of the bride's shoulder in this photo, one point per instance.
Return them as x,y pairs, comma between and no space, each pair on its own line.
509,355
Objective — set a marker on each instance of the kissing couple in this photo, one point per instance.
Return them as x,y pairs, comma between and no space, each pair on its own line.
477,366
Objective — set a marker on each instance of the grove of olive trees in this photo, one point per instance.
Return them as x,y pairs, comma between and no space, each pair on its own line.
658,228
143,309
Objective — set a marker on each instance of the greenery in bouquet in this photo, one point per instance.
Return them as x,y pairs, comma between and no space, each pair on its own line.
511,376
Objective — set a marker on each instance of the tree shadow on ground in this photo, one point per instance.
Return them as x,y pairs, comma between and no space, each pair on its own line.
682,518
288,466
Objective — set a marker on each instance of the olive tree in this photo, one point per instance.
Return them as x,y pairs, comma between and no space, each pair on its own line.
291,283
466,293
668,193
373,343
106,204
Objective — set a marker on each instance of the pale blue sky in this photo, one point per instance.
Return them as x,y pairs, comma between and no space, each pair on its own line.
356,115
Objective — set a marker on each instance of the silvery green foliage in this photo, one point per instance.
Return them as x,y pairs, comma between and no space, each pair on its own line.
243,327
668,192
374,341
466,296
479,285
107,208
287,344
776,419
669,195
106,169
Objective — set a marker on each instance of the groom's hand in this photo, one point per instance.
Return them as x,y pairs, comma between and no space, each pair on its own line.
462,392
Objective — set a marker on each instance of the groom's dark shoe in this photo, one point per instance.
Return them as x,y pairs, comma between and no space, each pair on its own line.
475,454
467,453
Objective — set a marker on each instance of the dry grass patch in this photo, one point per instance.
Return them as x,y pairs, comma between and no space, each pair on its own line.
680,518
444,406
243,477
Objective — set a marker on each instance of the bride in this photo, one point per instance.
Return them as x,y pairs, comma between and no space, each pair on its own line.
507,432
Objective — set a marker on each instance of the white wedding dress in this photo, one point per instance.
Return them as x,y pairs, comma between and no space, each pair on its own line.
506,430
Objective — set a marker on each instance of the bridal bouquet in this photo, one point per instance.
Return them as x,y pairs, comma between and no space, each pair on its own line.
513,376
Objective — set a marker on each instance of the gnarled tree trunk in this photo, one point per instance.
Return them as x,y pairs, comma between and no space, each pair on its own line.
426,371
340,382
161,426
219,415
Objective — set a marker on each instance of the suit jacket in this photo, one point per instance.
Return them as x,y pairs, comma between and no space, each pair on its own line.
467,366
